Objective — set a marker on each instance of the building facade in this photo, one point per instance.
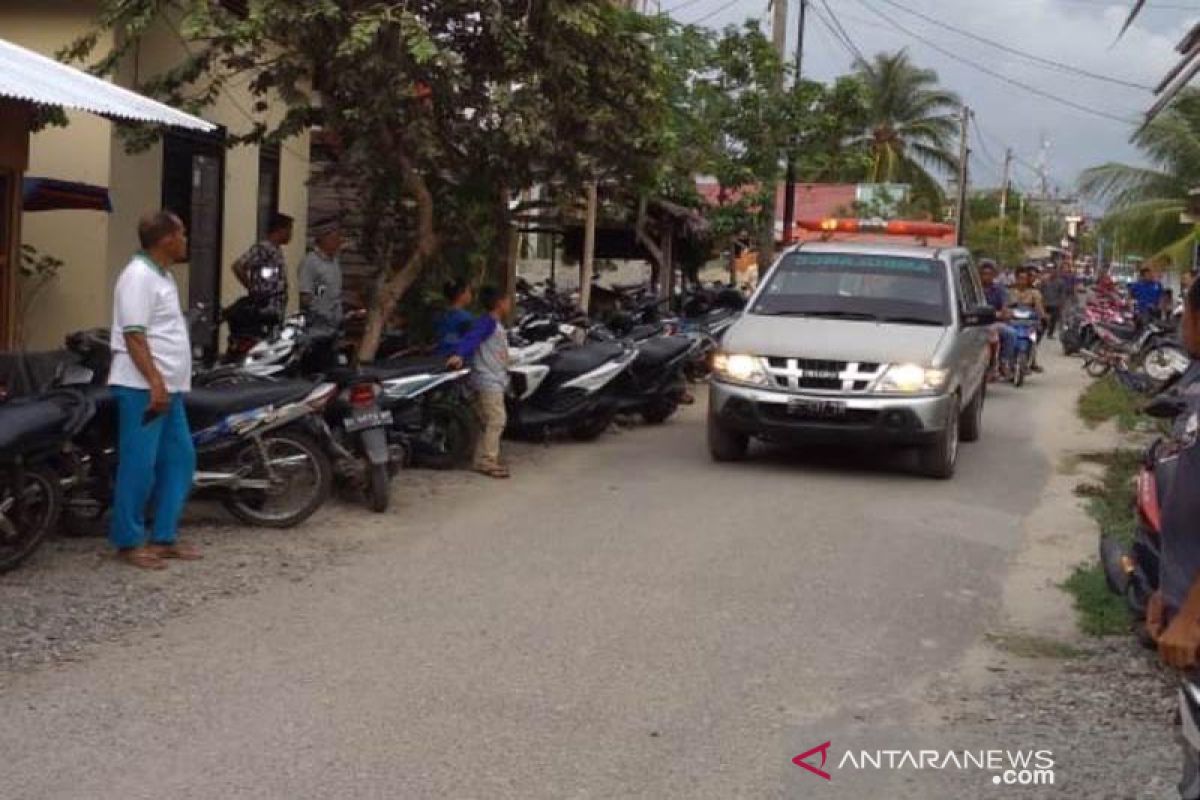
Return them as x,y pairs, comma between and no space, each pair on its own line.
224,194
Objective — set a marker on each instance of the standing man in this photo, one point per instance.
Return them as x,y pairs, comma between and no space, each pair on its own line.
1056,290
486,345
262,270
1147,293
151,370
321,276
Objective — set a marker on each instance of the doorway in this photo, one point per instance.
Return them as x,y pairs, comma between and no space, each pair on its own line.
194,188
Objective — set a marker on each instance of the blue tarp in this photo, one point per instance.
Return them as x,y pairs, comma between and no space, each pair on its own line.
49,194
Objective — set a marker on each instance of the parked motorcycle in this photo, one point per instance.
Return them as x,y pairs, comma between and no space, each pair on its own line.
569,388
33,433
430,405
1132,571
257,452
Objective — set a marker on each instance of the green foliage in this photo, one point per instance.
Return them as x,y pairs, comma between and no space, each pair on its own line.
1000,240
1107,399
912,128
1110,503
1101,613
743,115
1144,202
37,271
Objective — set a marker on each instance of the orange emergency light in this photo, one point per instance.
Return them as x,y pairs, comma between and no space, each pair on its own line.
887,227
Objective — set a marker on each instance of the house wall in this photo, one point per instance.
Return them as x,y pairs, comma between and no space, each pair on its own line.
78,152
96,246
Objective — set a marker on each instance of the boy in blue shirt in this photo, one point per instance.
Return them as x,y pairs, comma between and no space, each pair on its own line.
455,321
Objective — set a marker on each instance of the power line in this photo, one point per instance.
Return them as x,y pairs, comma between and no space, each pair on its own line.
717,11
838,24
1048,62
847,45
681,6
998,75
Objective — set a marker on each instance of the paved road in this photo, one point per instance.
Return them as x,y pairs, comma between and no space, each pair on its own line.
622,620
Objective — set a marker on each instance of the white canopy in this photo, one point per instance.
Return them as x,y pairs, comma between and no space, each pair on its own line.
26,75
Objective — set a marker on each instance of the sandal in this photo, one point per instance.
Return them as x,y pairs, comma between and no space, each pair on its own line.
494,472
180,552
141,558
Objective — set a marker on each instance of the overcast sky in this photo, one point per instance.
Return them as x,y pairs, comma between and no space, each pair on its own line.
1076,32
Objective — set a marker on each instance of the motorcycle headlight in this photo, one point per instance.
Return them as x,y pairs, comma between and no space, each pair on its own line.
739,368
911,379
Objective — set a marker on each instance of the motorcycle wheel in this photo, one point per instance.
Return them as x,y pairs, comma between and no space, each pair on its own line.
305,478
455,429
379,487
1020,369
1164,362
591,428
1096,368
43,500
660,410
1111,553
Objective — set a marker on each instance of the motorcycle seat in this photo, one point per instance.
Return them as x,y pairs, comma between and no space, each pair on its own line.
662,350
206,407
575,361
32,423
406,367
1125,332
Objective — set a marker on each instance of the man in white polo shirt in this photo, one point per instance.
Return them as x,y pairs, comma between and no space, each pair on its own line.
151,370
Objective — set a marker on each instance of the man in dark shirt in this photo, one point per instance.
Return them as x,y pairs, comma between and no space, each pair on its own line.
263,270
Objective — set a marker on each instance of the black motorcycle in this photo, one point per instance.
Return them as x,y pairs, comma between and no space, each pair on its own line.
565,388
33,433
430,407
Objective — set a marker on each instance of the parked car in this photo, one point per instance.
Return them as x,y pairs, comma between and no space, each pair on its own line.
876,344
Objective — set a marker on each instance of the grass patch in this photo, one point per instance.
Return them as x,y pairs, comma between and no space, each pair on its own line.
1110,503
1101,613
1026,646
1107,399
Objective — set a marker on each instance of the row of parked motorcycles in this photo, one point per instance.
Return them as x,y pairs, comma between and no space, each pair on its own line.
289,418
1143,352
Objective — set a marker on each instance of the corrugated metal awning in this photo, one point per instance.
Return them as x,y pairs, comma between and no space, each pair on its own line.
32,77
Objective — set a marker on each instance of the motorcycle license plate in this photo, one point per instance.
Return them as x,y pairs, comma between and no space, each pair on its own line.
816,409
361,420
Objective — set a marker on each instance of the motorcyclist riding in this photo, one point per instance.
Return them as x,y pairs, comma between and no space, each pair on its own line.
1022,294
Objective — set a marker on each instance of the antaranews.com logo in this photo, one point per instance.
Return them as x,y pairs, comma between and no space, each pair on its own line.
1005,767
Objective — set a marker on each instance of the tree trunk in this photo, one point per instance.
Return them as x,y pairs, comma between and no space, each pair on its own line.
766,236
588,266
644,238
397,282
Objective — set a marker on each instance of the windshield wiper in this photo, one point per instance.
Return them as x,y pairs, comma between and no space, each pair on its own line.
914,321
843,315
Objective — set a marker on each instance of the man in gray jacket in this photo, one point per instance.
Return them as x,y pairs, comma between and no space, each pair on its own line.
486,345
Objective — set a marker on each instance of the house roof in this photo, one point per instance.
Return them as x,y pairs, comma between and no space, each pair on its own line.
812,199
819,201
34,78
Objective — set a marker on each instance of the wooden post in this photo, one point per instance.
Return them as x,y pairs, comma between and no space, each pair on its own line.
15,120
587,267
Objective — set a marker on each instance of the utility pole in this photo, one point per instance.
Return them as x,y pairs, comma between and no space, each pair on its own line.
766,236
789,191
964,154
1008,159
587,265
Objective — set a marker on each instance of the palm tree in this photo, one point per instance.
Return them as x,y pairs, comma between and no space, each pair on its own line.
1144,202
913,124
